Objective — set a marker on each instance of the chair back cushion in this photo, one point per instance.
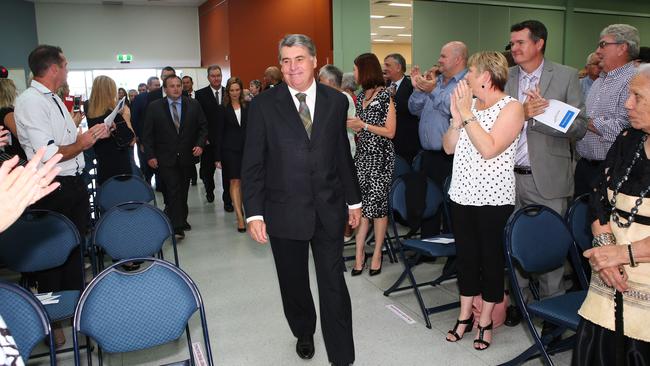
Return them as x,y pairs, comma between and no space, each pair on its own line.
398,199
132,311
538,238
24,316
38,240
123,188
401,167
578,220
132,229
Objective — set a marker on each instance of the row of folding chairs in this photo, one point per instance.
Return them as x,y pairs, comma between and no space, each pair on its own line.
535,238
121,311
125,230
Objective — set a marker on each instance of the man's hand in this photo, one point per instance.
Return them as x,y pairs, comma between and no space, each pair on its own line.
197,151
592,128
153,163
354,217
535,104
415,75
257,230
77,117
87,139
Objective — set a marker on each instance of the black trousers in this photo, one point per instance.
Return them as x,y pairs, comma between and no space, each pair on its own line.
71,200
206,172
177,183
437,166
291,262
480,261
587,174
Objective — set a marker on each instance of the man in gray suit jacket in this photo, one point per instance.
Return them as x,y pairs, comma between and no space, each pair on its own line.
544,164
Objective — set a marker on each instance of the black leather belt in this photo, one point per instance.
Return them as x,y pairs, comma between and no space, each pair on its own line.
594,163
643,220
523,170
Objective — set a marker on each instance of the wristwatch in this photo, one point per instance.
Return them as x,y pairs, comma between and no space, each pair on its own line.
365,127
465,122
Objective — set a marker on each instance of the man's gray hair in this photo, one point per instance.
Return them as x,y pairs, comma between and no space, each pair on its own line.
214,67
624,33
348,82
332,74
292,40
399,59
643,69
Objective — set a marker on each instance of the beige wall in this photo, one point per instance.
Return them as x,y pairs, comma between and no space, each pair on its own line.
384,49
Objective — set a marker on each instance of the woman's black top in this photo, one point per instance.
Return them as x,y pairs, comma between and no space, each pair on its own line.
111,159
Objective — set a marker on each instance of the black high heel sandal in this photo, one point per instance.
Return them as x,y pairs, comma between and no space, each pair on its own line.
469,322
356,272
481,335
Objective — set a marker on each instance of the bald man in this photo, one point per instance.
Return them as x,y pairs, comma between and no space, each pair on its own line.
272,77
430,102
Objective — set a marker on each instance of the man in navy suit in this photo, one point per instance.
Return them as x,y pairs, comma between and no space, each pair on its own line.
299,184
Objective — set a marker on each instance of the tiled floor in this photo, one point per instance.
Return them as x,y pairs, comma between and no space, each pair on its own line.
237,279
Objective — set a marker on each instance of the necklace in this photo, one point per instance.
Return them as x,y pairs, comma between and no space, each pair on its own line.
618,185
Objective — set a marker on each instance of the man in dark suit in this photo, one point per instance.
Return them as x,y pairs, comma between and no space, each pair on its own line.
299,183
211,100
138,108
406,140
188,88
174,134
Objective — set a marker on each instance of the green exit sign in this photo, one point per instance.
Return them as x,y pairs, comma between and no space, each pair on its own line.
125,58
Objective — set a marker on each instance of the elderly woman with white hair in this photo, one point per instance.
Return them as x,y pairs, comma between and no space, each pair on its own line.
613,330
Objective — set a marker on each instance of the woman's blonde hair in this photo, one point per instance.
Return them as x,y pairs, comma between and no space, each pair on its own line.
492,62
7,93
103,96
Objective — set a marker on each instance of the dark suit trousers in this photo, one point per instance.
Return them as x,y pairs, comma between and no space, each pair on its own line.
587,175
177,183
71,200
437,166
207,170
291,262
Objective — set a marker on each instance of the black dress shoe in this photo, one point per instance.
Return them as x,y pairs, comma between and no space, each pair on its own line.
180,234
209,196
513,316
305,347
187,226
228,207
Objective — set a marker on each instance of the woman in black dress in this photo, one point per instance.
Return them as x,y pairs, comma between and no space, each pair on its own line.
374,159
7,99
232,135
112,159
614,328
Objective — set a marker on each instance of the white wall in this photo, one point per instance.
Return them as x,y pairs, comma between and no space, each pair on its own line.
92,35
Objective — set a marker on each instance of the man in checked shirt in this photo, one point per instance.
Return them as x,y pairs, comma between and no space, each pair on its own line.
618,47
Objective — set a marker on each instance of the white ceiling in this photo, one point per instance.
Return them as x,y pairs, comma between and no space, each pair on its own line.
394,16
126,2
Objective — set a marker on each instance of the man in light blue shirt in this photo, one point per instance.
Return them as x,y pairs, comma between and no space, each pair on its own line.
430,101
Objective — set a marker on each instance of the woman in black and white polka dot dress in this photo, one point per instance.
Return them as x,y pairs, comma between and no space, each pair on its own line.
483,136
375,125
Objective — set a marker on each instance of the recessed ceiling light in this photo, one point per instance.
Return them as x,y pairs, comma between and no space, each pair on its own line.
403,35
373,34
382,40
391,27
377,16
400,4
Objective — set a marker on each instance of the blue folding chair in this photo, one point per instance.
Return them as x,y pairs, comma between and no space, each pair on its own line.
132,230
131,311
538,240
401,167
577,217
40,240
416,164
26,319
124,188
437,246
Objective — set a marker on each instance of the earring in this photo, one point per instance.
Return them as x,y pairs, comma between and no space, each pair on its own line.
483,86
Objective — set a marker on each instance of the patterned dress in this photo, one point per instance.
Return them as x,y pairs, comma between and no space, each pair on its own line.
375,157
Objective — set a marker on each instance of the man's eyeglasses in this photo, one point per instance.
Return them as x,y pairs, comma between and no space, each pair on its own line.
602,44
